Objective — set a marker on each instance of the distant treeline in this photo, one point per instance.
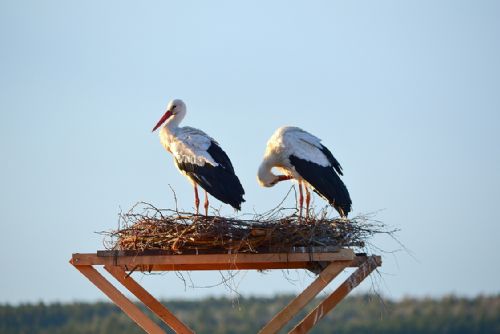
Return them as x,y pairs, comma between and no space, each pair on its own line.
361,314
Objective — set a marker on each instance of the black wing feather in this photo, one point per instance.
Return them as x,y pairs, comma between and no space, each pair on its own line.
220,156
325,182
219,181
331,159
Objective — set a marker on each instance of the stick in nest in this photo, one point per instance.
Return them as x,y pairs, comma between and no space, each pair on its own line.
146,227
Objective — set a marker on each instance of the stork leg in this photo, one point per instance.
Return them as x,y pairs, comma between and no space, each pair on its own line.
205,205
196,198
308,200
301,199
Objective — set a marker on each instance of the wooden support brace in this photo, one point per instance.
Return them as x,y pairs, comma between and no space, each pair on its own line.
114,263
331,301
152,303
120,300
294,307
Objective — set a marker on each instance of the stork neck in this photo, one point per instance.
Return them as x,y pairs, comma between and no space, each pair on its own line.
265,175
173,122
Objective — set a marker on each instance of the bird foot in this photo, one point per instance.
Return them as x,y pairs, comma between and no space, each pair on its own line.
344,219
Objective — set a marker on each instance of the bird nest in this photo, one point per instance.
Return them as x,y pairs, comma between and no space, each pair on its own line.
146,228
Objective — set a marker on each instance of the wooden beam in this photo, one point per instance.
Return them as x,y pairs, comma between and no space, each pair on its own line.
297,304
331,301
243,266
226,266
312,249
119,299
152,303
239,258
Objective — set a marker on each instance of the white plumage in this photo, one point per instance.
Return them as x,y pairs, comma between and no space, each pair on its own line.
200,158
188,144
289,140
300,155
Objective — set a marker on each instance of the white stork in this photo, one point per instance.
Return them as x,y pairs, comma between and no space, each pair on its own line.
200,158
299,155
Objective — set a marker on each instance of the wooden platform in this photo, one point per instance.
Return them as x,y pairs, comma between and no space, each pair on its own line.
329,262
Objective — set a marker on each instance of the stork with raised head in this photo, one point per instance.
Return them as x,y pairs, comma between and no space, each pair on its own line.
299,155
200,158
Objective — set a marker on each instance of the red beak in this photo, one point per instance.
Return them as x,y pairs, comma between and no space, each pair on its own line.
162,120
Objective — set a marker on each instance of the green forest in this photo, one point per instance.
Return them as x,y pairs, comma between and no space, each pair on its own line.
359,314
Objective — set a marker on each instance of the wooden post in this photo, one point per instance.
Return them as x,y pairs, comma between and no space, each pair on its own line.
120,300
331,301
151,302
297,304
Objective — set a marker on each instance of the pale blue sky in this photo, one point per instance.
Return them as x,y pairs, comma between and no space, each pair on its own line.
405,93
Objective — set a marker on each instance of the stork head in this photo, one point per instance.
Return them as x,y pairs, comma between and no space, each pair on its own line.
176,110
265,176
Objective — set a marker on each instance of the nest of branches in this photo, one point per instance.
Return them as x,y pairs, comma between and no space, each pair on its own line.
145,228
